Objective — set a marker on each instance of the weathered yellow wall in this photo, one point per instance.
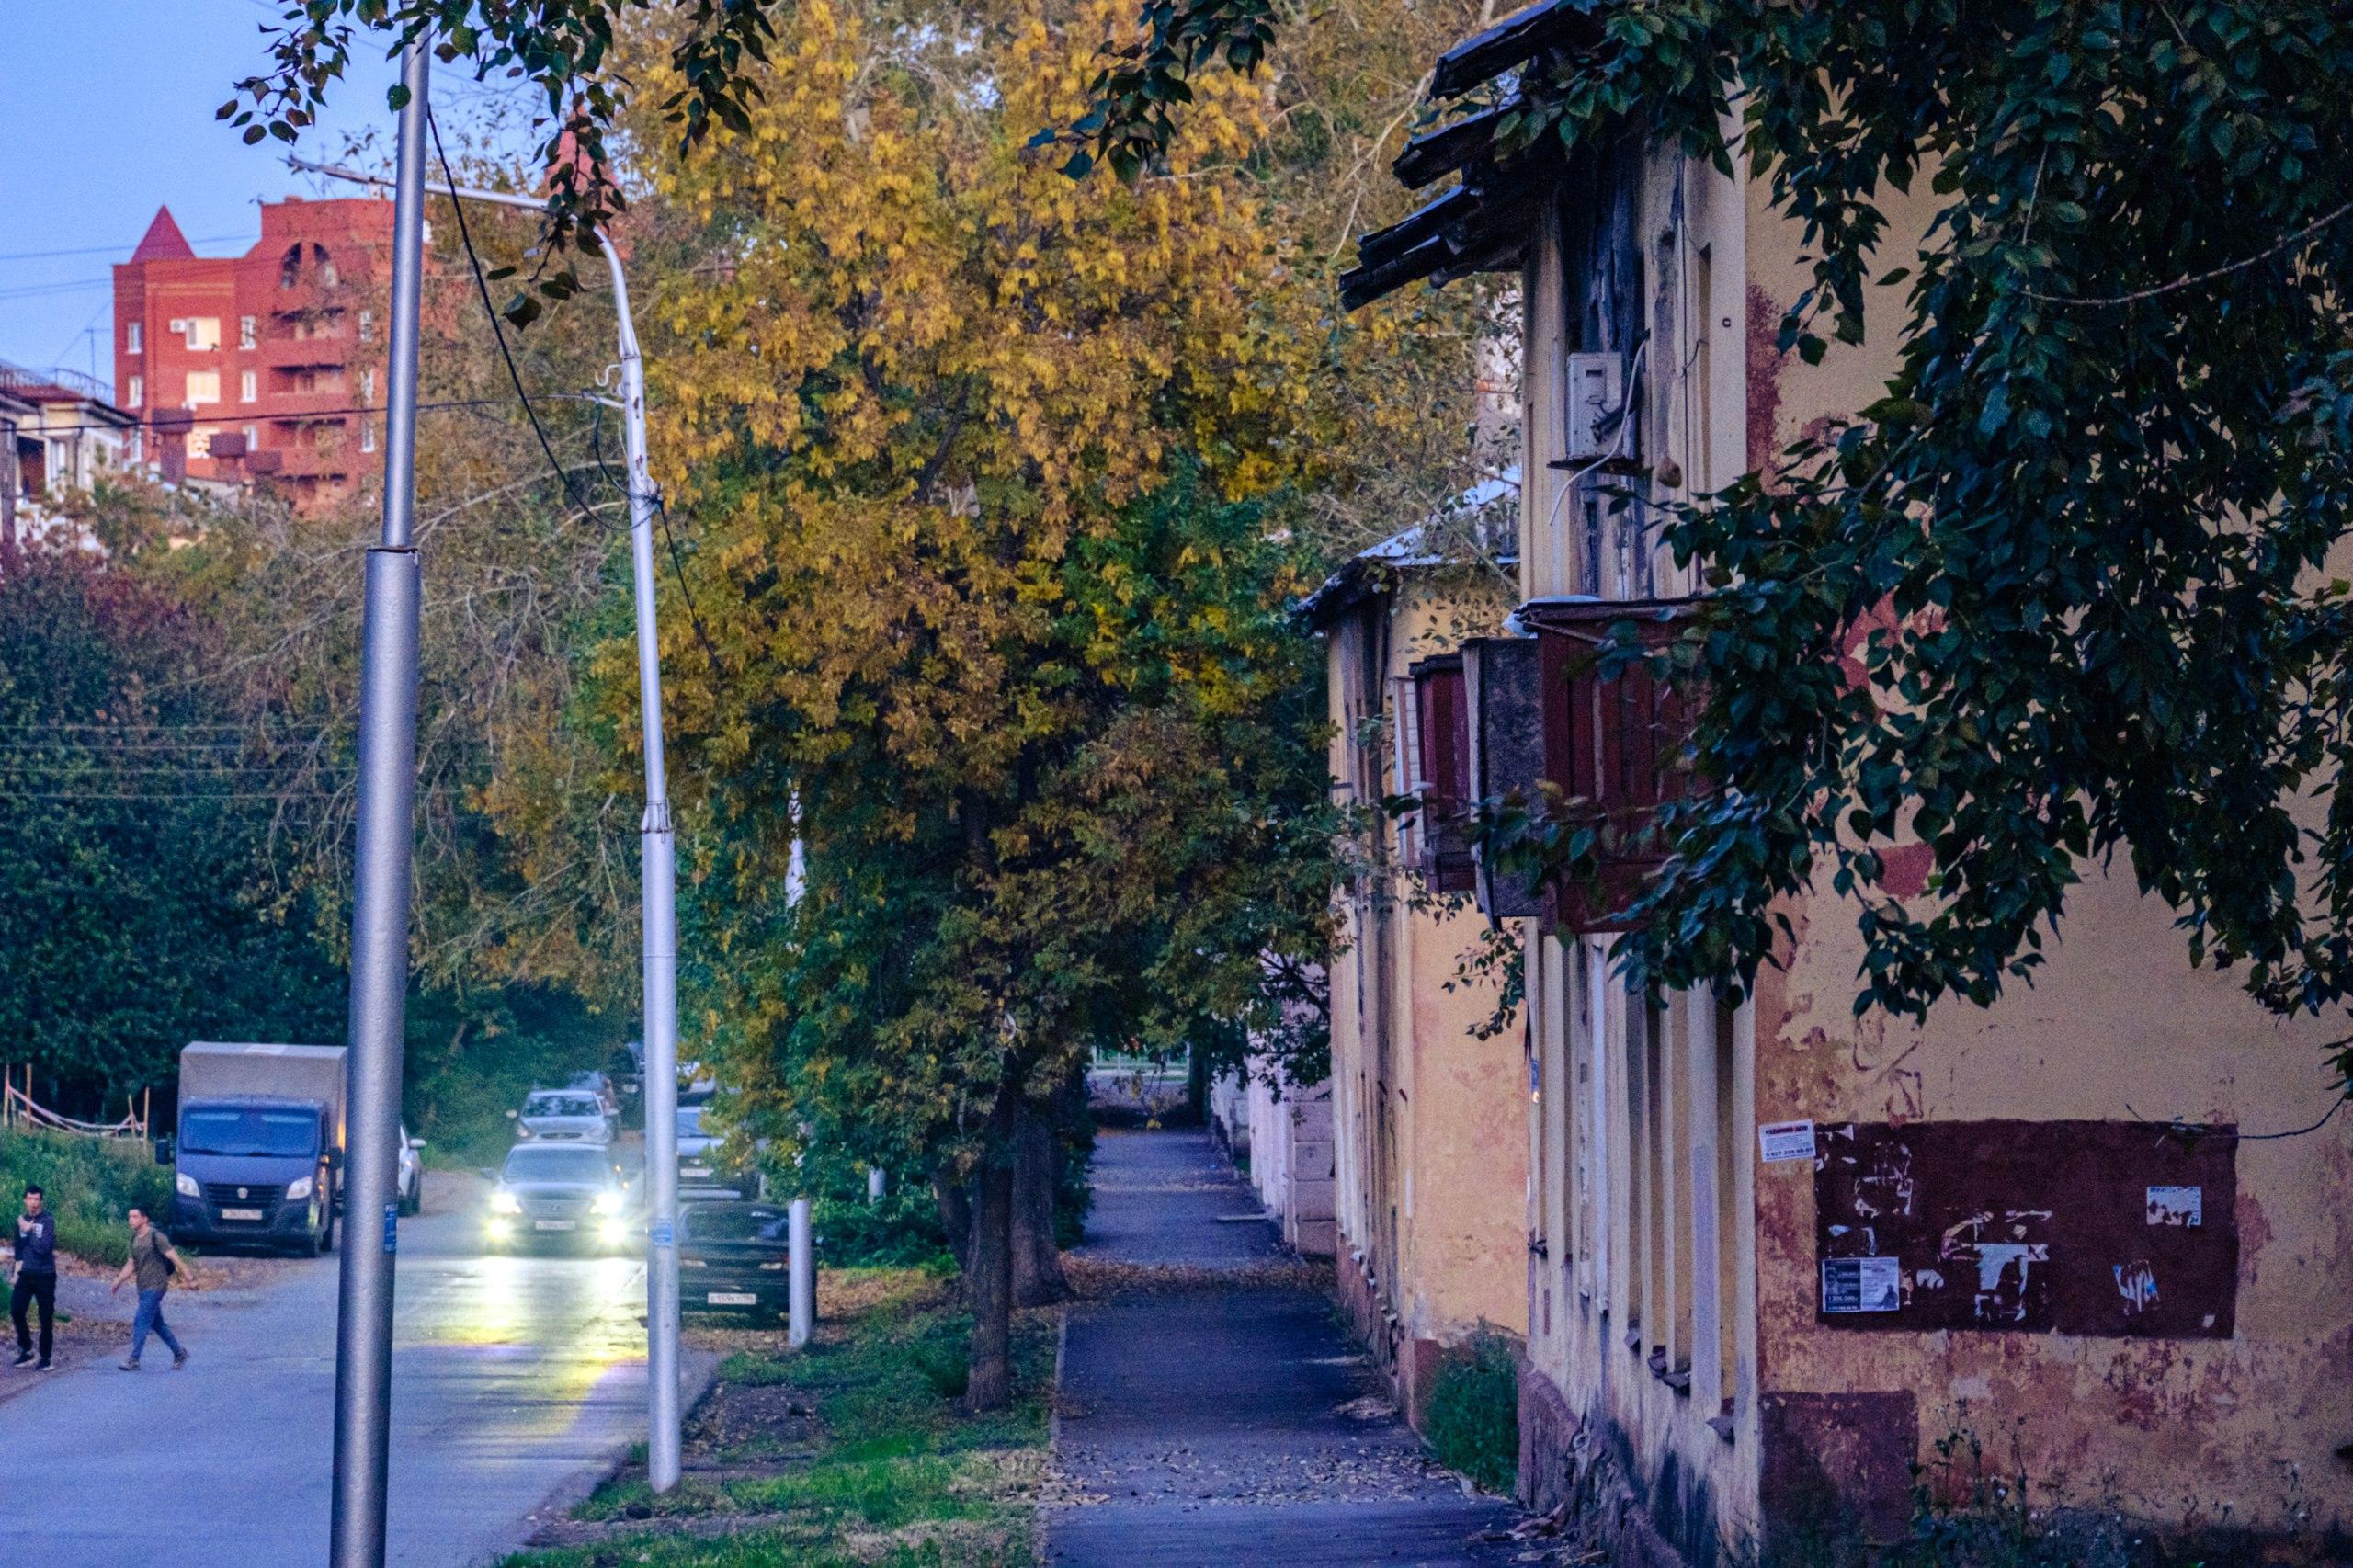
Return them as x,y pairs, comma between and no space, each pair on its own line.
2119,1026
1450,1169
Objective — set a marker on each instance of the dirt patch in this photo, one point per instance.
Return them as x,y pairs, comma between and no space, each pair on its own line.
739,1426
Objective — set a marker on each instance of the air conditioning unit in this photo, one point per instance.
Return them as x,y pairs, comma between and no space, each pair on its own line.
178,324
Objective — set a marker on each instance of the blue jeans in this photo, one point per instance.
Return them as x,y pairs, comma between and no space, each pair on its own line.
150,1315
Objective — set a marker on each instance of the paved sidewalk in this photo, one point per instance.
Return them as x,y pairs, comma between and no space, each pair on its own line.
1231,1424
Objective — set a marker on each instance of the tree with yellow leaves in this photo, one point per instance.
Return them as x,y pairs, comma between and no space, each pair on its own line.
983,468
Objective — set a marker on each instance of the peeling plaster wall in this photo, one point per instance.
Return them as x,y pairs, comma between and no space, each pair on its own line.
2187,1429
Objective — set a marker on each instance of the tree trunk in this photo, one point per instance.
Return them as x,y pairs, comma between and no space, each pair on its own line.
955,1216
988,1285
1037,1171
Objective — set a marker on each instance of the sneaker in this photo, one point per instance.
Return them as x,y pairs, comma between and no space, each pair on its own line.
41,1366
179,1359
24,1358
129,1366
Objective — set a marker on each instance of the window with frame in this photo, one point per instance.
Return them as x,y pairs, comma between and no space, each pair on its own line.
247,336
203,333
203,386
1443,759
138,393
367,326
131,337
248,386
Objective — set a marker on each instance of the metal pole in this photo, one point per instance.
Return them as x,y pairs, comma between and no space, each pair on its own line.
660,878
660,897
363,1350
804,1260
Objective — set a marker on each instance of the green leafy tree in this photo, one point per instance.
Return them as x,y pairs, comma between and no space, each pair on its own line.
143,903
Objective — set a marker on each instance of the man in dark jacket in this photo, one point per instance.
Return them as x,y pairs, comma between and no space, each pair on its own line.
36,1277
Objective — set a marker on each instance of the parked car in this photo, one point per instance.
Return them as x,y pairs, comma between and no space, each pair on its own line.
573,1116
412,1173
733,1257
566,1193
698,1150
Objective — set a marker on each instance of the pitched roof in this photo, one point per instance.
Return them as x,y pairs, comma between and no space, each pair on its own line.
164,241
1414,548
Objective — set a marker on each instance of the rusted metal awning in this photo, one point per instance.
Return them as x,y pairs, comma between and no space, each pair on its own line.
1482,223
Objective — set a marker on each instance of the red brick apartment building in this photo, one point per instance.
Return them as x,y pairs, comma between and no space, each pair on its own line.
263,366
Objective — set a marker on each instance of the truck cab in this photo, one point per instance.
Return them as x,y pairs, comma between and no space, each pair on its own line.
255,1170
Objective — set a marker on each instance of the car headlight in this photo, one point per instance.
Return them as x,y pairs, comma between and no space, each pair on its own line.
298,1189
505,1202
184,1185
608,1203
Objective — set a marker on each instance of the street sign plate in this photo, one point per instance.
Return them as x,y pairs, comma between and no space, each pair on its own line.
663,1236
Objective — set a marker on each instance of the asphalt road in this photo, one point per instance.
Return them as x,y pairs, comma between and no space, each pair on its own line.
517,1383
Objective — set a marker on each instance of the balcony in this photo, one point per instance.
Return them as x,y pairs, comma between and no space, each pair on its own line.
1614,747
276,353
330,404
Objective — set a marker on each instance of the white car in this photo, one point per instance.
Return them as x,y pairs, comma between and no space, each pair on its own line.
565,1116
412,1173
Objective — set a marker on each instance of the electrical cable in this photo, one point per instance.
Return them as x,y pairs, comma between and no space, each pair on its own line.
497,327
498,330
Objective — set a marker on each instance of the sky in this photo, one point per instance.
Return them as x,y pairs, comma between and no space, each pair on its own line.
110,112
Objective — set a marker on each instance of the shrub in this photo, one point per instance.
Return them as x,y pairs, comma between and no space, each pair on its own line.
1474,1418
88,1184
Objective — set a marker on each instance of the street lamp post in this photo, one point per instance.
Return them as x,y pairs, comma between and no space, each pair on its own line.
658,847
380,894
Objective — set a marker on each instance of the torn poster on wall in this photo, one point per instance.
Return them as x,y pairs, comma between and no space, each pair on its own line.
2068,1227
1862,1285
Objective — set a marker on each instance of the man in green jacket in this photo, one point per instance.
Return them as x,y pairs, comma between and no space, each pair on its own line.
151,1265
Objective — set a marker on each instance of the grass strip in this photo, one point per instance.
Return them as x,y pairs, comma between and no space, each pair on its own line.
884,1466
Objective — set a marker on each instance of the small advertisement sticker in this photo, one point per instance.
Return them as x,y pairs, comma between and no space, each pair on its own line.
2178,1206
1861,1285
663,1235
1780,1141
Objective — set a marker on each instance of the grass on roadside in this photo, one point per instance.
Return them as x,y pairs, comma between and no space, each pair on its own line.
884,1468
1474,1421
87,1183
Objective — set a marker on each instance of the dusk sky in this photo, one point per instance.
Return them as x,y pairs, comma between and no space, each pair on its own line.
111,104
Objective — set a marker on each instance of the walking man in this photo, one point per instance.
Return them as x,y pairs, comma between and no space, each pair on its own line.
36,1277
152,1264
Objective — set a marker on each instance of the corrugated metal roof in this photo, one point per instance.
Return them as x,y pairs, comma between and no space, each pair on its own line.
1482,223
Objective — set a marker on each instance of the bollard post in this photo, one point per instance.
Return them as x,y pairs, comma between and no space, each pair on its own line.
804,1275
